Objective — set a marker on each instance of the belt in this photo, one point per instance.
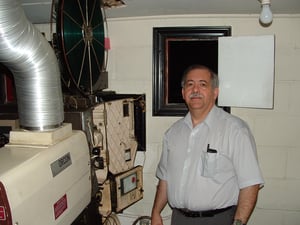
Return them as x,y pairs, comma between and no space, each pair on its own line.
207,213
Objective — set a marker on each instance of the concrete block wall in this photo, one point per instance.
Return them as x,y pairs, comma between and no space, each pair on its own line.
277,131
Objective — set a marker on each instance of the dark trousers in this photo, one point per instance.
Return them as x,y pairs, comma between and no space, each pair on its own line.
224,218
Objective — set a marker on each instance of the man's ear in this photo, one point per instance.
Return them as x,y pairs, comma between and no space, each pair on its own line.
216,93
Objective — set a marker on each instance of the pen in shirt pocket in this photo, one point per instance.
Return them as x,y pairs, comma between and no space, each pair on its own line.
210,150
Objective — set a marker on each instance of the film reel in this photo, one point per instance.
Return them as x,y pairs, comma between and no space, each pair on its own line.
80,39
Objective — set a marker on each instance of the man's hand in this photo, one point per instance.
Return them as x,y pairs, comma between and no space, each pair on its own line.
156,219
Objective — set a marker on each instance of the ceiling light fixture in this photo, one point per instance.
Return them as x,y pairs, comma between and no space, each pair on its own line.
266,16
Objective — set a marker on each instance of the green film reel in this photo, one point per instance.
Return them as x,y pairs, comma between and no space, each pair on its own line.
80,32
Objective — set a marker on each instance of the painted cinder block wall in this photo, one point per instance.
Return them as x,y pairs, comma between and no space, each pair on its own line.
277,131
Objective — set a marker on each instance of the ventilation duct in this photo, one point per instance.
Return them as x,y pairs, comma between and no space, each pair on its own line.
29,56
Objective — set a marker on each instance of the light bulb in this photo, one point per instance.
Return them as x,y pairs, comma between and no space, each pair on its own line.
266,16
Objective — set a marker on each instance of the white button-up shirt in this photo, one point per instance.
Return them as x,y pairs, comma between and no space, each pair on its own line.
205,166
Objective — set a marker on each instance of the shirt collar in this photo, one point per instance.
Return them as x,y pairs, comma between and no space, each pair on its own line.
209,120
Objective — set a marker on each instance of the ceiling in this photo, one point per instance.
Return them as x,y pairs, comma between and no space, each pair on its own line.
38,11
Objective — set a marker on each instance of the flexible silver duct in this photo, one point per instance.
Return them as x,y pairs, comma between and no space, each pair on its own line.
29,56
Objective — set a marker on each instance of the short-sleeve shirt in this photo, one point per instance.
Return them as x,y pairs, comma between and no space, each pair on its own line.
206,166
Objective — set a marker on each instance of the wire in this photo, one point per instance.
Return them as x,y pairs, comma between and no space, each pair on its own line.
91,133
112,220
142,218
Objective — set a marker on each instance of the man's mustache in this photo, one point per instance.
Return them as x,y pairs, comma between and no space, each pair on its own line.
196,95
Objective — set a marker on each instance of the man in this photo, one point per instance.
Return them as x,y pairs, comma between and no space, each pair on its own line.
208,171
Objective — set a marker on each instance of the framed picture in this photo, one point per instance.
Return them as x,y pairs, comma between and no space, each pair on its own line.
174,49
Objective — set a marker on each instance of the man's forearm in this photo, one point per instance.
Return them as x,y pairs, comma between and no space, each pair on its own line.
246,203
161,199
160,202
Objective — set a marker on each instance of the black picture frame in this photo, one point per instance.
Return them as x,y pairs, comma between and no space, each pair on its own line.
174,49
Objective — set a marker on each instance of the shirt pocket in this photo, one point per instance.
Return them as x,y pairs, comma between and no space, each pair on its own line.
225,170
209,164
217,167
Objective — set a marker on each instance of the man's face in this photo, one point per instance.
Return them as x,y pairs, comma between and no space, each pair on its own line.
198,92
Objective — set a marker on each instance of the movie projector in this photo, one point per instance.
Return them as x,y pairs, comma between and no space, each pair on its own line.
70,155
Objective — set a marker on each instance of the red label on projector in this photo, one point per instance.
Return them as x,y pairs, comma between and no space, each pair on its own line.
2,213
60,206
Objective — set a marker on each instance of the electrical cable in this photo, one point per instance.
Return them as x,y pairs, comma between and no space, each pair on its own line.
112,219
141,218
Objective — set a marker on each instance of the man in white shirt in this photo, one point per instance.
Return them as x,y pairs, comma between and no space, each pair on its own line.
208,171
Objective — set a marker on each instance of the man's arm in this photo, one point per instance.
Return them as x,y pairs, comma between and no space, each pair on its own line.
246,203
160,202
